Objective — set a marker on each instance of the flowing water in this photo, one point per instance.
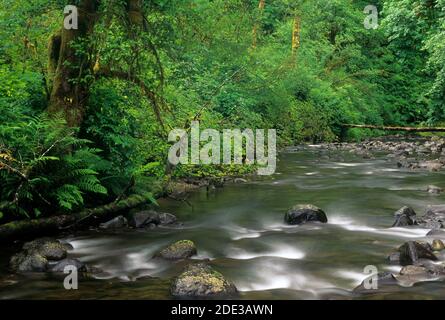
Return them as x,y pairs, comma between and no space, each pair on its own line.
240,229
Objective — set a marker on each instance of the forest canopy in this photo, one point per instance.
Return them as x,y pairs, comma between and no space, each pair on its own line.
85,112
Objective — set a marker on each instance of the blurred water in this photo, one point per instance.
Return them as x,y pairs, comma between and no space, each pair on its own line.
240,229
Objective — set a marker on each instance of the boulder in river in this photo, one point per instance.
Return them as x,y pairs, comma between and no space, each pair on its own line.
200,281
405,216
24,262
116,223
36,254
412,251
152,218
179,250
302,213
48,248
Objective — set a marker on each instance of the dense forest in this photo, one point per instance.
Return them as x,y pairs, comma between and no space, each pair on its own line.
85,113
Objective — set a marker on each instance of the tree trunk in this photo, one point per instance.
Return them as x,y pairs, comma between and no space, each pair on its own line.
69,95
410,129
261,6
28,229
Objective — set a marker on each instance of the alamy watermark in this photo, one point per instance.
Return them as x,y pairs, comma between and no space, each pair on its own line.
71,281
372,19
371,282
231,151
71,21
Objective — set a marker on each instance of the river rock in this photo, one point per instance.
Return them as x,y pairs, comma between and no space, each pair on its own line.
434,189
152,218
200,280
394,258
438,245
36,255
412,251
48,248
24,262
177,251
116,223
405,216
433,218
436,233
300,214
60,266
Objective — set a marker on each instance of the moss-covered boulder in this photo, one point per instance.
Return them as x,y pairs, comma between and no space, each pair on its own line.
200,280
36,255
182,249
23,262
48,248
302,213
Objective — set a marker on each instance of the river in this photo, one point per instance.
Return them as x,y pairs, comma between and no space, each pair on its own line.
240,229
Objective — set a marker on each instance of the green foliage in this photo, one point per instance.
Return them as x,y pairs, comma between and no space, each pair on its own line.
45,168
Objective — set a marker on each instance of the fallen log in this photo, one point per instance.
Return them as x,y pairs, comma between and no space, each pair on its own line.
410,129
22,229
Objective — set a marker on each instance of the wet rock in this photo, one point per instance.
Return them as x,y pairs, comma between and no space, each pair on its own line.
394,258
179,250
240,180
300,214
116,223
50,249
383,279
412,251
24,262
200,280
413,270
152,218
438,245
436,233
61,265
434,189
405,216
433,218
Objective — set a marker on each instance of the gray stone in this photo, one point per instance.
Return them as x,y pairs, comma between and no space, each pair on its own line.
300,214
200,280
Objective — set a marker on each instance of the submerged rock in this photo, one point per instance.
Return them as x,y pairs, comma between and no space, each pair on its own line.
201,280
60,266
405,216
152,218
412,251
116,223
394,258
300,214
179,250
434,189
438,245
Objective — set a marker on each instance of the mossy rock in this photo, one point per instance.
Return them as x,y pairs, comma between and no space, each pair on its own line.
23,262
48,248
201,280
182,249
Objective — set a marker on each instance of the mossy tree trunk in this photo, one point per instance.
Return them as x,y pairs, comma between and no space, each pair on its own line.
68,66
